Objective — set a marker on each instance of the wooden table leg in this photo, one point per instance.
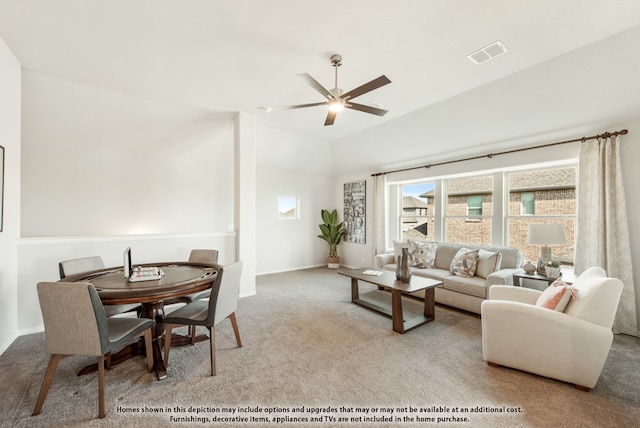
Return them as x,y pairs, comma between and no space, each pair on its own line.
355,294
155,311
430,303
396,311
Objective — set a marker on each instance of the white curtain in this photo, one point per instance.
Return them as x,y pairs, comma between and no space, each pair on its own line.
602,237
379,244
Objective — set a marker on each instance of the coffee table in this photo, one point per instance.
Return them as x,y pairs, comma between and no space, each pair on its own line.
388,281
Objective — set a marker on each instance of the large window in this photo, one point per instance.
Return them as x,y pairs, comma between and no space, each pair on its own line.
542,196
466,210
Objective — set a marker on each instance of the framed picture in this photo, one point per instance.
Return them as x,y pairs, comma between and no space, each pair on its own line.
355,198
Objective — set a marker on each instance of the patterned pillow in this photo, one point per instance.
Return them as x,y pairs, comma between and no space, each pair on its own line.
556,296
464,262
422,254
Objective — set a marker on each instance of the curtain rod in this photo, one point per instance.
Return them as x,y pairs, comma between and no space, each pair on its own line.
490,155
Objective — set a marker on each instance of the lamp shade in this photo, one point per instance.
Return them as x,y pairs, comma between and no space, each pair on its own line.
546,234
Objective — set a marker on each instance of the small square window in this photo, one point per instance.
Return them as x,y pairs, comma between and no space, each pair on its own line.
288,208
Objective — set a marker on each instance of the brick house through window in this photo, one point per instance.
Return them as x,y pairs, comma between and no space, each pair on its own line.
536,196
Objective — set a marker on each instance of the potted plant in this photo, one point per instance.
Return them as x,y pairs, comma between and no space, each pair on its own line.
552,269
332,232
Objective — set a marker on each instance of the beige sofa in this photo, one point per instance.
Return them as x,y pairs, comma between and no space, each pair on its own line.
466,293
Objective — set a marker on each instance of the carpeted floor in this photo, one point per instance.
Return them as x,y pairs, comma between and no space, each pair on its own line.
311,357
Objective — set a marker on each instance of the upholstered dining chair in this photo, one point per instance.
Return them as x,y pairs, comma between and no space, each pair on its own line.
75,323
222,303
534,331
88,264
197,256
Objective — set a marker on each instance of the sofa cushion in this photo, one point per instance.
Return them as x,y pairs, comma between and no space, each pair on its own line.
464,263
433,273
445,253
488,262
474,286
422,254
512,258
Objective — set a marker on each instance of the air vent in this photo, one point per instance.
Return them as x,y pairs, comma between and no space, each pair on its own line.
488,52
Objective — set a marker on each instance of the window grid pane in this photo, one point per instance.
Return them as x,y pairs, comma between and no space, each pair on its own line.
416,218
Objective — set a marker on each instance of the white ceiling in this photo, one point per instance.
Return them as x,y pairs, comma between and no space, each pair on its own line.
241,55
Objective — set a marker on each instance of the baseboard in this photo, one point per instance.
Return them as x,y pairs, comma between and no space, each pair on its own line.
291,269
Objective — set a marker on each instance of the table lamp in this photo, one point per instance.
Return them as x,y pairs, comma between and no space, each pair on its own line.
545,235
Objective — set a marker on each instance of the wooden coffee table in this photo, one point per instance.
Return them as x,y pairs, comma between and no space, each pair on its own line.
388,280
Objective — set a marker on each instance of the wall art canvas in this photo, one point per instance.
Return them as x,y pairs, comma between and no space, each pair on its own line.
354,211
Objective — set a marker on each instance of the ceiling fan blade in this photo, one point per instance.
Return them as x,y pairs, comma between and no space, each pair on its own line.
317,86
331,117
367,87
323,103
366,109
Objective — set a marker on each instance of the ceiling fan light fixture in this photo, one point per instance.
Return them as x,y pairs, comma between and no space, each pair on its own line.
336,105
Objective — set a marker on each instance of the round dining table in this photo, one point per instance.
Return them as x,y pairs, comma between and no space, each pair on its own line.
180,279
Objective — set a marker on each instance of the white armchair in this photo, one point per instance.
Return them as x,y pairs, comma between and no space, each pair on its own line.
570,346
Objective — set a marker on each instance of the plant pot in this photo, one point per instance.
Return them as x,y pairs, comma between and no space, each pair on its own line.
552,272
333,262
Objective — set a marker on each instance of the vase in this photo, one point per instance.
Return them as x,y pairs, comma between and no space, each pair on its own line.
403,270
529,267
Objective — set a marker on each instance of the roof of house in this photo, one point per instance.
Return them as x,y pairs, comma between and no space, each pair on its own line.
548,179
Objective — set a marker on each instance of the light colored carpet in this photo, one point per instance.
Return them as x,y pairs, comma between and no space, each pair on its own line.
308,348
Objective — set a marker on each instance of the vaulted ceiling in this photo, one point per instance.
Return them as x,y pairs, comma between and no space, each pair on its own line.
244,55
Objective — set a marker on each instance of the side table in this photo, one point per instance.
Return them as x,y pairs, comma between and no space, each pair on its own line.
535,276
567,276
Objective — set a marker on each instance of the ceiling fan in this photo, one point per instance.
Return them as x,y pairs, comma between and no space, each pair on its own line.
337,100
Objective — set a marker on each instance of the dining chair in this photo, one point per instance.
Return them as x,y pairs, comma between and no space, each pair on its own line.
197,256
222,303
88,264
75,323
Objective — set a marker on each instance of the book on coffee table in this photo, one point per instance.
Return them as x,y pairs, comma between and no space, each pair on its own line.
372,272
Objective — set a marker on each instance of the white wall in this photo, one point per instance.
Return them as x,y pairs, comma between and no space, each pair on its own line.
96,162
291,165
10,140
102,171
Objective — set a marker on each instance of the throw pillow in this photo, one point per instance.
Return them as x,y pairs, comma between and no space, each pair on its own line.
423,254
556,296
488,262
464,262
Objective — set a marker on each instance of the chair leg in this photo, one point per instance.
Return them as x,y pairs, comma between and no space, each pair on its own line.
234,323
212,340
148,348
46,382
167,342
101,386
108,360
